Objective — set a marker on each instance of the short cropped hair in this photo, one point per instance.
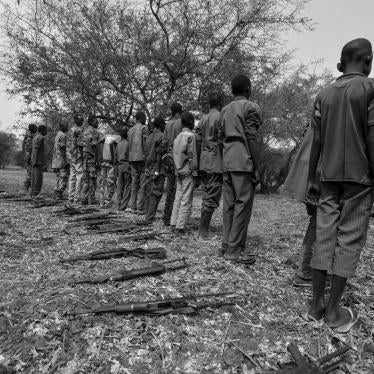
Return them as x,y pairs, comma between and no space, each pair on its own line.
42,128
176,108
140,117
240,84
63,126
33,128
123,131
215,99
158,122
78,119
355,51
188,120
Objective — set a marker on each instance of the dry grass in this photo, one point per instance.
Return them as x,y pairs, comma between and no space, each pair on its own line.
37,337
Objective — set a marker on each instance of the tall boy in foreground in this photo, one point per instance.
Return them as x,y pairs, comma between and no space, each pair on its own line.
186,172
343,123
38,160
240,121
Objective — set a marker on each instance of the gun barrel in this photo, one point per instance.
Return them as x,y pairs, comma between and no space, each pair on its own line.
337,353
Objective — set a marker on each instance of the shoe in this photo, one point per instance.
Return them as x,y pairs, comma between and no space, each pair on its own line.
301,282
232,254
205,219
246,257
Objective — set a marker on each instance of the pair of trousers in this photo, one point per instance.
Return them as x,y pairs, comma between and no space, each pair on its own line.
107,184
36,179
137,185
183,201
343,215
238,194
304,270
27,183
75,181
62,177
157,190
89,179
212,191
123,189
147,191
170,194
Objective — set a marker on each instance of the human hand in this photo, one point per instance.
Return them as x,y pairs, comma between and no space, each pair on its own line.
313,192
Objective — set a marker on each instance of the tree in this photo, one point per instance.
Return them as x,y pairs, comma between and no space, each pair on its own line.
8,146
112,57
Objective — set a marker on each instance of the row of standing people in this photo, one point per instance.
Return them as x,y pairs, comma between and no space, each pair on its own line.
221,156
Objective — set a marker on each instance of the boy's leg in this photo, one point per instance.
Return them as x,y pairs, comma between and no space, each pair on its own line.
58,182
27,183
228,208
177,202
64,174
78,168
92,182
186,202
156,194
244,194
72,183
126,190
351,237
111,180
102,184
142,187
120,186
135,179
170,195
37,180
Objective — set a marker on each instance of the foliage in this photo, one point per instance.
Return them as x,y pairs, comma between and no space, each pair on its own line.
8,145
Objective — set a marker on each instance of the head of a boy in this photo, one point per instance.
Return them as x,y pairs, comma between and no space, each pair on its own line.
123,132
92,121
241,86
33,128
42,129
215,100
357,56
176,109
141,117
188,120
159,123
63,127
78,119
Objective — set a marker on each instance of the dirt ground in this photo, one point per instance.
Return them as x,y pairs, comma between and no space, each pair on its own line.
36,335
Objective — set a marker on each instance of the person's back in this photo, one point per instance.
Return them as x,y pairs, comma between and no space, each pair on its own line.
184,153
136,137
74,152
122,151
37,156
172,129
343,106
236,152
90,139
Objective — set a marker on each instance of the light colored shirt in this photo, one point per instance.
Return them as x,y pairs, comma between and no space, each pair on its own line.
185,153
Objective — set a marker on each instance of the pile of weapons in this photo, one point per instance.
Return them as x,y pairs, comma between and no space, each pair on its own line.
304,365
36,202
71,210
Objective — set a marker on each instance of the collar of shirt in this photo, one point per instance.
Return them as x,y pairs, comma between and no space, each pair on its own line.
186,129
213,110
351,75
240,98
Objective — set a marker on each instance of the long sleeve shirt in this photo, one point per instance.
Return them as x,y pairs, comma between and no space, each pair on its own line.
211,149
74,148
37,155
172,129
240,121
89,140
27,147
59,151
153,146
122,155
185,153
137,137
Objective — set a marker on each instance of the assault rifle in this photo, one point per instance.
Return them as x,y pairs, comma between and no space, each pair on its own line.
70,210
322,366
179,305
123,275
140,236
46,203
153,253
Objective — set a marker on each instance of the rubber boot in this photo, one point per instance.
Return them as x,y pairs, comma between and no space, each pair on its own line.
205,219
152,209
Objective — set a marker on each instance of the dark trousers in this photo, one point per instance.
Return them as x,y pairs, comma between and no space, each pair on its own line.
171,187
28,176
157,190
212,190
137,185
123,189
238,193
36,180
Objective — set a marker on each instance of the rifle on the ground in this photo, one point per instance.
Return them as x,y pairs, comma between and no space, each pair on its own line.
179,305
73,211
140,236
92,217
304,365
152,253
46,203
123,275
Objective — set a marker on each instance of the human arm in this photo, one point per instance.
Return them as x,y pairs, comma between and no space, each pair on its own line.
313,188
370,138
193,158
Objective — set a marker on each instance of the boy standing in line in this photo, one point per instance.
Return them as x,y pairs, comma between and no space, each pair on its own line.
75,159
186,171
137,137
59,164
27,149
210,163
155,170
240,121
343,124
38,160
123,170
90,140
172,130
